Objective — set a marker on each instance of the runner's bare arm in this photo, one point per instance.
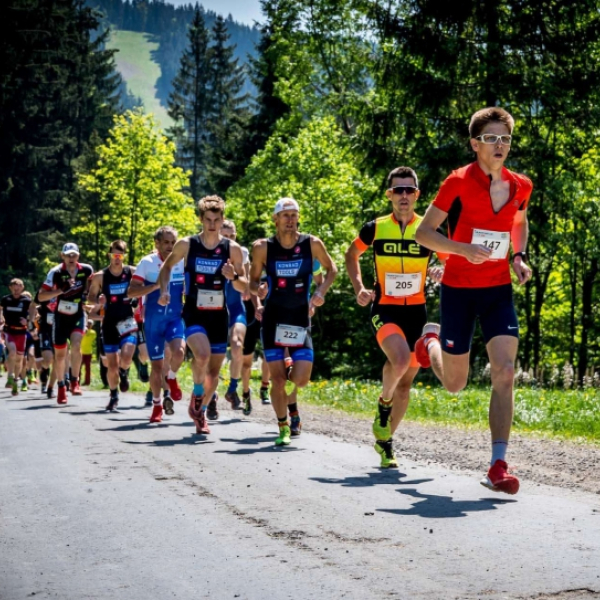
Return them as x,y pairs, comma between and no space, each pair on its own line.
519,235
320,253
95,287
235,266
353,254
180,251
259,262
428,235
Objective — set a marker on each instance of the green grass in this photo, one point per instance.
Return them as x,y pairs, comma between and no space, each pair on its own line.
134,62
572,414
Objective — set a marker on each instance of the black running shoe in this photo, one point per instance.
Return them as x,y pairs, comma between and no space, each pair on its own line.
143,373
123,380
148,398
211,410
50,393
113,403
168,406
247,402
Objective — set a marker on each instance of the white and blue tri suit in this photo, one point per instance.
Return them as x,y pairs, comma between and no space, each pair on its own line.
162,324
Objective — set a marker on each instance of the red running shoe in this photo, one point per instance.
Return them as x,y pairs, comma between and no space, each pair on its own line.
174,388
430,331
499,480
75,388
157,412
198,415
61,398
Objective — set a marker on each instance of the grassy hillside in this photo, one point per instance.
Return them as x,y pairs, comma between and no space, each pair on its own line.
134,62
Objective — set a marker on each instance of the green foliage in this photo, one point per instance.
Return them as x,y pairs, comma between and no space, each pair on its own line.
563,414
133,189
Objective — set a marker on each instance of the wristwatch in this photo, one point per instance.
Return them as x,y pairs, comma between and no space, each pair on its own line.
523,255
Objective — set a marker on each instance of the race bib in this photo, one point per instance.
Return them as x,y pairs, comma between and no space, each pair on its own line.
290,335
497,241
50,318
400,285
127,326
210,299
67,308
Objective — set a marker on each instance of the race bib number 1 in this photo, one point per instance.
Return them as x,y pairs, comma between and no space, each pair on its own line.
289,335
497,241
210,299
400,285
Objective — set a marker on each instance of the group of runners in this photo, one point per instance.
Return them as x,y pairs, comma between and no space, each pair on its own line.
205,292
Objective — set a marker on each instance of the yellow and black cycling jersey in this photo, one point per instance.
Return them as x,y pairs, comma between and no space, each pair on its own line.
400,263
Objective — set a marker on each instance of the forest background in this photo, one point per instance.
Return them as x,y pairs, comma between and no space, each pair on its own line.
319,102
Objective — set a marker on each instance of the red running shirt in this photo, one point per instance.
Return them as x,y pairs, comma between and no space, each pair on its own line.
465,196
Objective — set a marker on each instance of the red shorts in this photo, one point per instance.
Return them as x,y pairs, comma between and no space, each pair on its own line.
18,339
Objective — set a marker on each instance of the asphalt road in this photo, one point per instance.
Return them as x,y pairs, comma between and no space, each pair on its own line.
108,506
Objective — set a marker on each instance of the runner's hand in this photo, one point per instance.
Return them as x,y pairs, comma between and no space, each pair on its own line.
522,270
365,297
476,254
263,290
228,270
258,313
435,273
164,299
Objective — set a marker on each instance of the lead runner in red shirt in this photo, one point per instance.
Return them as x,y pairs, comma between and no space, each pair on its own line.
486,208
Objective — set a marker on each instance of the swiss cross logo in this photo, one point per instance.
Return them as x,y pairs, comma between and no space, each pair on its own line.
281,283
199,278
297,249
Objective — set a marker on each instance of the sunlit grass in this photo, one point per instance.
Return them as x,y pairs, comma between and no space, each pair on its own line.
567,414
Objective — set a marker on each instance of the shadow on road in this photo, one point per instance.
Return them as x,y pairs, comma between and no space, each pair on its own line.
431,506
384,477
193,440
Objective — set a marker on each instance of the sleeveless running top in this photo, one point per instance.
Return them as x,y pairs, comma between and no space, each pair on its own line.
289,273
203,270
114,287
400,263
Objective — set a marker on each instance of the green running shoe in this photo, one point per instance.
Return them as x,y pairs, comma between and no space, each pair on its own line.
381,433
284,438
386,451
10,380
15,388
24,387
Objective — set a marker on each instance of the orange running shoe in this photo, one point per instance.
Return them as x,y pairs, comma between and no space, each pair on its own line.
75,388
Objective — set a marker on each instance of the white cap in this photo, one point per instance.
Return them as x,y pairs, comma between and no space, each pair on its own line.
70,248
285,204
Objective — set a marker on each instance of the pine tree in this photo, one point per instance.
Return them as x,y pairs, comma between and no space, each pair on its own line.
190,105
229,111
57,87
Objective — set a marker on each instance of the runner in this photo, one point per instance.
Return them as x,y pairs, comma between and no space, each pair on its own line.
398,311
210,260
45,322
486,208
68,283
16,310
236,309
119,328
162,324
287,258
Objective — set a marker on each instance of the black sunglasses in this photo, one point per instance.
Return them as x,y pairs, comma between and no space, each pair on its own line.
400,189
